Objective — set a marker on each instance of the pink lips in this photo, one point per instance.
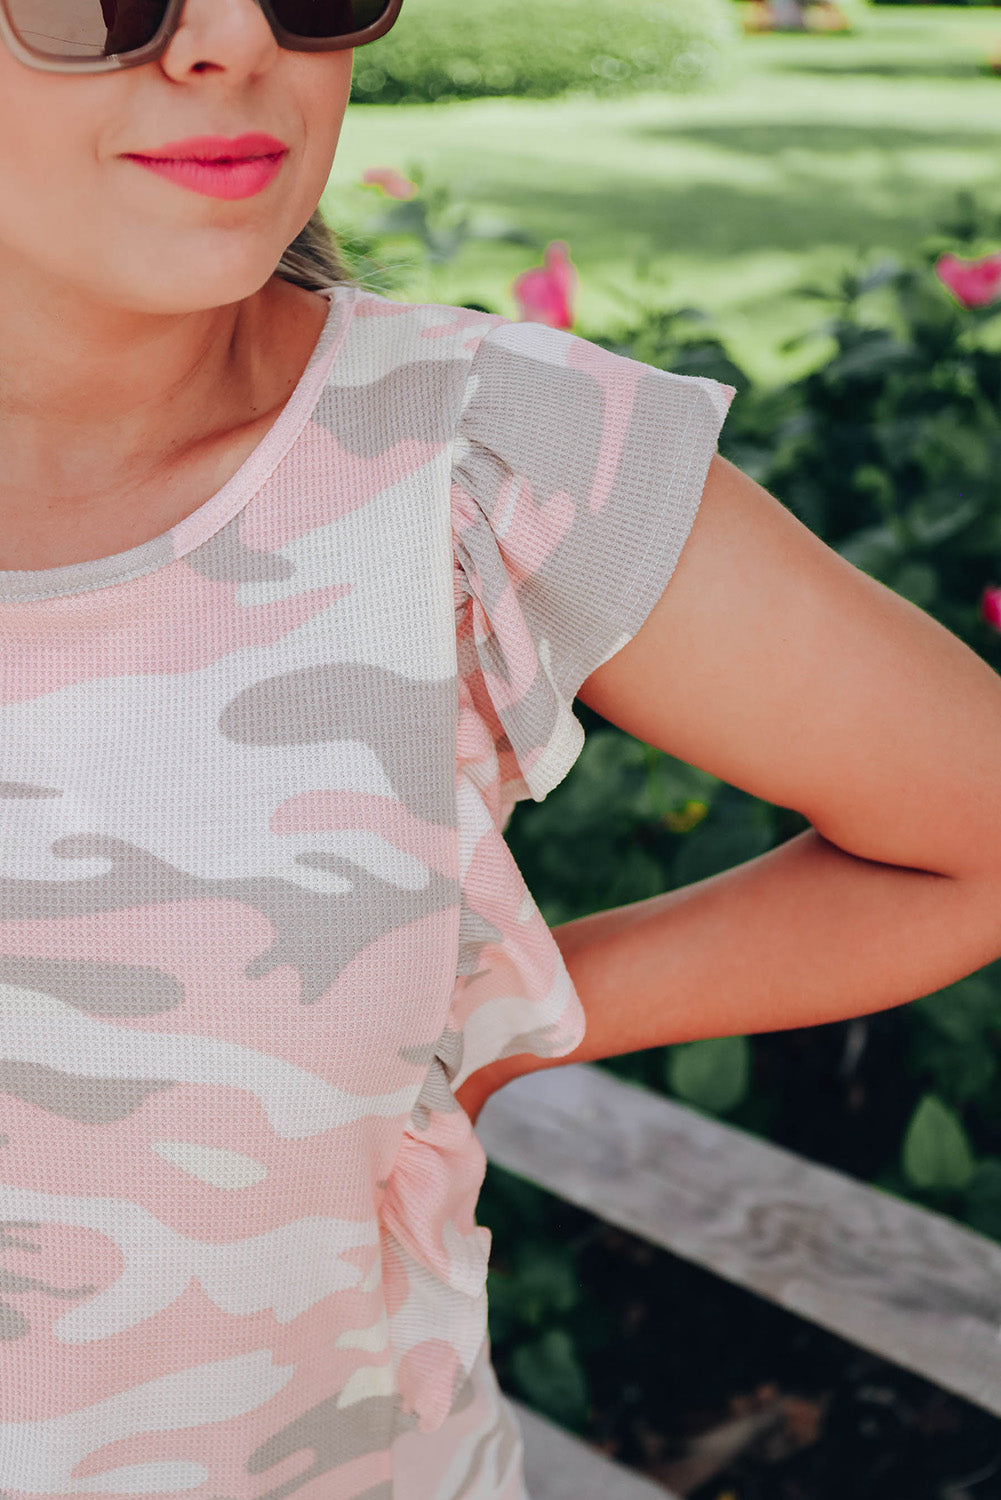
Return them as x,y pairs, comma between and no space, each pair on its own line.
216,167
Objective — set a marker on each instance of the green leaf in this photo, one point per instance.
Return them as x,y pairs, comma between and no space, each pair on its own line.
915,581
444,244
545,1280
671,786
936,1151
930,528
713,1073
874,351
503,1312
962,1011
949,1036
736,830
510,1198
549,1375
983,1198
984,535
874,549
403,216
880,274
878,485
958,1071
483,228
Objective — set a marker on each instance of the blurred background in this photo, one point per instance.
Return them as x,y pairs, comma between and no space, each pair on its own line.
803,200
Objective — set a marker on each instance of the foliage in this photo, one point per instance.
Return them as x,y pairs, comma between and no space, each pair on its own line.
816,146
443,49
713,1073
541,1328
440,226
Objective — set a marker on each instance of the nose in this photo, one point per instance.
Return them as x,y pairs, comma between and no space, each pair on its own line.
218,33
230,36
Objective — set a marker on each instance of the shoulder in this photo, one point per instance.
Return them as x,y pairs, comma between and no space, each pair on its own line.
403,370
437,330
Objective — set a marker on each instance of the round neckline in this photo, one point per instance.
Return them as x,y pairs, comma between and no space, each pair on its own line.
25,585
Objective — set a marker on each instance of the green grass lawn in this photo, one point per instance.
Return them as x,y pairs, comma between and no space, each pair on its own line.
813,150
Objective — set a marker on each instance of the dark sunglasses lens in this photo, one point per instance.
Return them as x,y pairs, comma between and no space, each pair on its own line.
85,29
67,29
319,18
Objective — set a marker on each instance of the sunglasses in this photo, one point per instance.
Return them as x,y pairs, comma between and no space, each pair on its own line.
99,36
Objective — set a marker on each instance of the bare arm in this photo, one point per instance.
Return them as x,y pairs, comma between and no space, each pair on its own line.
780,668
777,666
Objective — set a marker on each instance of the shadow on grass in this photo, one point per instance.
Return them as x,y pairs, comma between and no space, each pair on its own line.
926,68
772,138
727,219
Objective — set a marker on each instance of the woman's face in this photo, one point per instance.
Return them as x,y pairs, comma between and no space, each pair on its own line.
78,218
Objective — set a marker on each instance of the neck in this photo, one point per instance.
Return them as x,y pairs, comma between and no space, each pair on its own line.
97,394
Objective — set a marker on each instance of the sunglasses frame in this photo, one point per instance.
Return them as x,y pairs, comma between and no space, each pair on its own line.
172,15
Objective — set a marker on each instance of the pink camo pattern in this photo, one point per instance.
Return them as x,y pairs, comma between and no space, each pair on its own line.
258,919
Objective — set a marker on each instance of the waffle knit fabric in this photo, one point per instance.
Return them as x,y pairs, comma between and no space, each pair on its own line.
258,919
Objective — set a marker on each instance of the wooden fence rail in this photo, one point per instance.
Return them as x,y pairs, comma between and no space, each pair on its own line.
901,1281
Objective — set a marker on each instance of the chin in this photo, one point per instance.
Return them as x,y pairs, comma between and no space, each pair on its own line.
203,283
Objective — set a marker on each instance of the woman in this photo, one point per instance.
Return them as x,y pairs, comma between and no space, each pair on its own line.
297,587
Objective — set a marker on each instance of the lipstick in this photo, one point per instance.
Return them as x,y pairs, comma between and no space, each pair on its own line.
217,167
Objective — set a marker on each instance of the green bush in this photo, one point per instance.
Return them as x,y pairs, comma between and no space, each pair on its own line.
445,49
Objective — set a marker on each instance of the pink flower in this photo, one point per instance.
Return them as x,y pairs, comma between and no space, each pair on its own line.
391,181
990,606
973,282
544,293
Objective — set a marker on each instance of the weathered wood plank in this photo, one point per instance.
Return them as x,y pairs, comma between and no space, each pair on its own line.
908,1284
559,1466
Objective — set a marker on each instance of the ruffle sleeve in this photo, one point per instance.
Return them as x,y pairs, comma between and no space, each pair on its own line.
576,478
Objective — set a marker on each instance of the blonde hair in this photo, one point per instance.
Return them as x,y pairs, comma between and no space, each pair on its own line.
314,259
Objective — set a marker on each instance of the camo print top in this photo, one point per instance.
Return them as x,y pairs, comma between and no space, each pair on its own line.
258,919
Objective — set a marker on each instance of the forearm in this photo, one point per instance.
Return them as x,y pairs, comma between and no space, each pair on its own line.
800,936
